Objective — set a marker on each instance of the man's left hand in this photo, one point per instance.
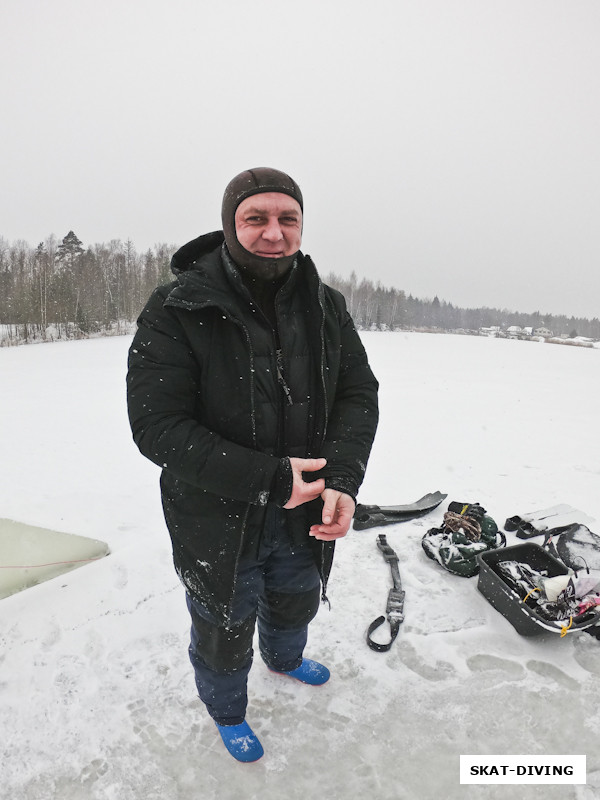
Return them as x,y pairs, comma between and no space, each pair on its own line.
338,511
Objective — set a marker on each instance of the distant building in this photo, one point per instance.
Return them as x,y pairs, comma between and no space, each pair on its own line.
542,332
493,330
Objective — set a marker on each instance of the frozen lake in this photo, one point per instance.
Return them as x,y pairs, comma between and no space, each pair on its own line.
97,698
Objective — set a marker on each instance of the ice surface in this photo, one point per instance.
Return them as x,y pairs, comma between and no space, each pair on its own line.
97,695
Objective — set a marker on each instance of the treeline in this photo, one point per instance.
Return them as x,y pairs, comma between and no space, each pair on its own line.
376,307
63,290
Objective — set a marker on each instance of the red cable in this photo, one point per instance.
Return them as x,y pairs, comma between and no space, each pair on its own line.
52,564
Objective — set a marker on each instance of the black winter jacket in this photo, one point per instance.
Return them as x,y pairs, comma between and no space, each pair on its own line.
206,405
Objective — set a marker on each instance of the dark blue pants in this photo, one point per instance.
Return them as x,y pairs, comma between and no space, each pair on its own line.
279,588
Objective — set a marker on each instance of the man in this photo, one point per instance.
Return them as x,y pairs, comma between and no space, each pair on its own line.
249,386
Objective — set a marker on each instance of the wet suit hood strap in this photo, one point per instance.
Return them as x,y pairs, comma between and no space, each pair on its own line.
395,604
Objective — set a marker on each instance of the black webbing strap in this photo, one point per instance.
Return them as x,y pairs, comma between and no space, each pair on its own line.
395,603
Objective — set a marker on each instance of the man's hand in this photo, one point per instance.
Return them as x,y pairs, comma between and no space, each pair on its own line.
337,516
303,492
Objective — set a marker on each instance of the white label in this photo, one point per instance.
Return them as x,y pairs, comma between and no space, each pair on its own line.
523,769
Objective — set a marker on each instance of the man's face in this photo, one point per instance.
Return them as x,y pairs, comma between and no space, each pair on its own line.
269,224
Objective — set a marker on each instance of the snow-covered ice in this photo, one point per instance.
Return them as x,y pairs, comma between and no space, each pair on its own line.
97,695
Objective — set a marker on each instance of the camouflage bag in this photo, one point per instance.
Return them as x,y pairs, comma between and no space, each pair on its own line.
465,532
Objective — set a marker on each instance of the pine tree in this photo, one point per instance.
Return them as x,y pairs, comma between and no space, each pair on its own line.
69,250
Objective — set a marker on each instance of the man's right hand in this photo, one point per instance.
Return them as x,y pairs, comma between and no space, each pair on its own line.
303,492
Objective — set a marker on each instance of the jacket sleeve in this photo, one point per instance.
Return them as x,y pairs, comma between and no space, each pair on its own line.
353,415
162,394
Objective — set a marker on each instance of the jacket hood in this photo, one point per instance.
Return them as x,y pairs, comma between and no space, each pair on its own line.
183,259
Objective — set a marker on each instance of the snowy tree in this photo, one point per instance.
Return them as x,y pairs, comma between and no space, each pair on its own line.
69,250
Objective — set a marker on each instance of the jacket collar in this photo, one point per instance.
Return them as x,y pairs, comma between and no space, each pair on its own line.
204,276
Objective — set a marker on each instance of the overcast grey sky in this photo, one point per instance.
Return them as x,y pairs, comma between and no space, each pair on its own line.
445,147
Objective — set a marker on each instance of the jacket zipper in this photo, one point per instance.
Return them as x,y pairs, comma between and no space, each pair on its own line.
324,597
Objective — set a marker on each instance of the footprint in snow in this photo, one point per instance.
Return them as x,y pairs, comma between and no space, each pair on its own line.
94,770
550,672
405,654
506,670
586,654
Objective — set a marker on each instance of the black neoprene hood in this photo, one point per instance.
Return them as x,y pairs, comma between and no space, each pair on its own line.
246,184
